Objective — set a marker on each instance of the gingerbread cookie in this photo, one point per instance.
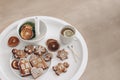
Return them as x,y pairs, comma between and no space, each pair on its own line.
36,72
13,41
14,64
52,44
62,54
60,68
40,50
48,56
31,60
25,67
19,53
29,49
38,62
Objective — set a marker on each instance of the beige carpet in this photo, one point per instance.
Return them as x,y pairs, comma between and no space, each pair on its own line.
97,20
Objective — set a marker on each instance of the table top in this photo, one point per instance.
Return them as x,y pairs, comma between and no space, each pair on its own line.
97,20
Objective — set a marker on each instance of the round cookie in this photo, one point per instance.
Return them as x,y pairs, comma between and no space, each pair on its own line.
14,64
13,41
52,44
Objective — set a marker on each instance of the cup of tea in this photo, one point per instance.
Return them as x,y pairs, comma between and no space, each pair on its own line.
67,34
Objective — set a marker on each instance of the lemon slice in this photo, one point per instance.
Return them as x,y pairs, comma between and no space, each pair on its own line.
68,33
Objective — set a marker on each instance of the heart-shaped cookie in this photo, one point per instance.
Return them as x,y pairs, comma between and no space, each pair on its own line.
36,72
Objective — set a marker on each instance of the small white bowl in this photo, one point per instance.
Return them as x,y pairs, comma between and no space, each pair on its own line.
42,29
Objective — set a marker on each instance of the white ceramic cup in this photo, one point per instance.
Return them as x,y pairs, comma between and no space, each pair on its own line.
65,39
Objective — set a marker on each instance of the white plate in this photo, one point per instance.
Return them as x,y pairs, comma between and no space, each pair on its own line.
53,26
